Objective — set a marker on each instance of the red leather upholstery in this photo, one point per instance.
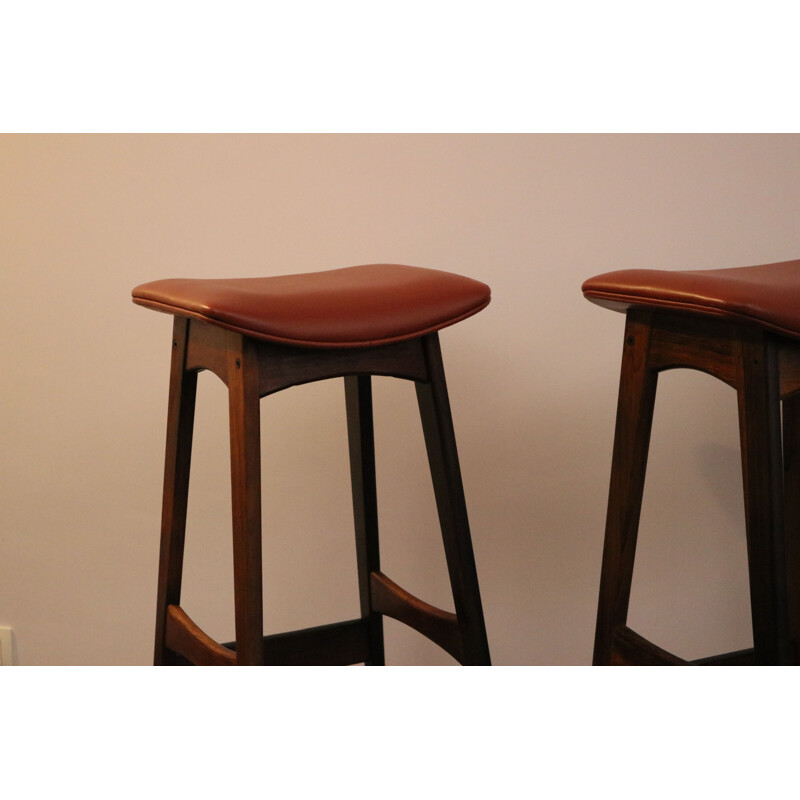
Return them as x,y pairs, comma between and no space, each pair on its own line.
767,295
351,307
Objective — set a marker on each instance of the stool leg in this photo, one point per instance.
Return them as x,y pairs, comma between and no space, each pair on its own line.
437,425
637,393
361,437
791,484
245,433
760,432
791,519
180,423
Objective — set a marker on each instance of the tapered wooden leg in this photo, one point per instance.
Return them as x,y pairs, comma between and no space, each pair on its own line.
637,392
245,433
437,425
361,437
791,520
180,423
760,432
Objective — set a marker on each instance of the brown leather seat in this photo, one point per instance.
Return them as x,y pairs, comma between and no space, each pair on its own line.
352,307
767,295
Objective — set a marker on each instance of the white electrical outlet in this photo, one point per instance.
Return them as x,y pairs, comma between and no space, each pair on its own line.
6,647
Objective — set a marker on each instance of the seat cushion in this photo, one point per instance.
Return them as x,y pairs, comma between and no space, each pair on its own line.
767,295
352,307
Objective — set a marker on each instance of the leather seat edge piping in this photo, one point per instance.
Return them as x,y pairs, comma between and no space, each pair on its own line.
674,305
182,312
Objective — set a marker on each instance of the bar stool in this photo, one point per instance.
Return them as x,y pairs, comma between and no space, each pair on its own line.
261,335
742,326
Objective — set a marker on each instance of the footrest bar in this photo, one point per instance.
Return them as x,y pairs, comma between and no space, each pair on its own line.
336,645
737,658
183,637
630,649
437,625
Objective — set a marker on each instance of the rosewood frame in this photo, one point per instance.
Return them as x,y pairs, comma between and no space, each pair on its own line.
252,369
764,370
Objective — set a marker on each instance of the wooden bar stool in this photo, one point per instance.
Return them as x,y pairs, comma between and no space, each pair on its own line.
742,326
261,335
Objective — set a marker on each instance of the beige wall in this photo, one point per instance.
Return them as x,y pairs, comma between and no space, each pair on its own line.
532,379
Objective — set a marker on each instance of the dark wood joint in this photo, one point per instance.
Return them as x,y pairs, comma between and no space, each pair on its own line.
208,348
437,625
631,649
186,639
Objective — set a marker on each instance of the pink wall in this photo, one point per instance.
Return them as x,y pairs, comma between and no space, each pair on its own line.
84,218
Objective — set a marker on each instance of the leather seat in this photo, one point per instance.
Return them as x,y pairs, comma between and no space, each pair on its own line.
352,307
765,295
